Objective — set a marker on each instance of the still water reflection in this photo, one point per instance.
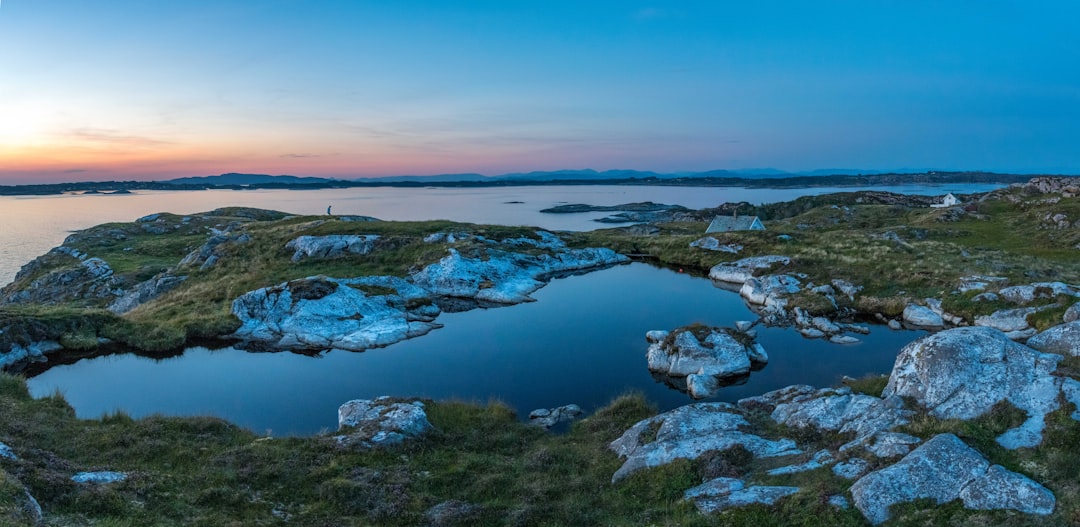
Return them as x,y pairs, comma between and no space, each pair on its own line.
581,342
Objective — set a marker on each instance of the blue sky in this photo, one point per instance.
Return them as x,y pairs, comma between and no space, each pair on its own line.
149,90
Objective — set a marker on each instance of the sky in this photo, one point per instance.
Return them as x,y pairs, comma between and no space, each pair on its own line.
145,90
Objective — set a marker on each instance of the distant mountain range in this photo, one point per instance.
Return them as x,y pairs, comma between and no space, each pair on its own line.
556,175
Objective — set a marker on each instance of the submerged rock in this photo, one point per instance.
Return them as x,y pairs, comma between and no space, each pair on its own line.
705,356
944,469
380,422
962,373
688,432
320,313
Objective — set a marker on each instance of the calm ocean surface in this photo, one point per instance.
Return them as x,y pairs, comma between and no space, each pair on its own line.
582,341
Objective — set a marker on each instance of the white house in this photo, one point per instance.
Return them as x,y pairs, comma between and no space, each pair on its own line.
948,201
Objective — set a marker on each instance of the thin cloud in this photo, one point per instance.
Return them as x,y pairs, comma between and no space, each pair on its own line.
106,136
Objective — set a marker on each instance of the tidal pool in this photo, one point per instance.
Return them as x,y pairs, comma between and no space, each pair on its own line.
582,341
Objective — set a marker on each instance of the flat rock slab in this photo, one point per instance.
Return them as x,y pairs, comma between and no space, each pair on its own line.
724,493
944,469
1063,339
688,432
99,478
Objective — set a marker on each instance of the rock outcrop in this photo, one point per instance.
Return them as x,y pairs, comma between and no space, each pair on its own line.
962,373
944,469
504,277
103,477
687,433
320,313
380,422
145,292
740,271
704,356
710,243
331,246
32,352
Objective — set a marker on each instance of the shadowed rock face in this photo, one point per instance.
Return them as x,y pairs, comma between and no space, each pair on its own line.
944,469
962,373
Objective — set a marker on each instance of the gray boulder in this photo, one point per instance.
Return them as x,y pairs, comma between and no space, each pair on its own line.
5,452
853,468
1011,321
1072,314
704,356
962,373
921,316
724,493
380,422
688,432
331,246
319,313
944,469
549,417
19,507
1063,339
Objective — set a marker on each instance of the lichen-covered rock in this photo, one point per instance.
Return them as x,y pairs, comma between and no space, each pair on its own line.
380,422
331,246
962,373
705,356
5,452
922,316
688,432
853,468
72,276
1072,314
724,493
742,270
319,313
508,277
944,469
838,410
822,458
1062,339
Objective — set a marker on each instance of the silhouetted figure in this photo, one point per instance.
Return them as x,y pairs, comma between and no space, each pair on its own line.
328,210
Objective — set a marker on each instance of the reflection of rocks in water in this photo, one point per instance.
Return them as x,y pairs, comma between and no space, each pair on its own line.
679,383
449,304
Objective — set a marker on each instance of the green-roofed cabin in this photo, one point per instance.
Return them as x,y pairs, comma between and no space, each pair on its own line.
735,223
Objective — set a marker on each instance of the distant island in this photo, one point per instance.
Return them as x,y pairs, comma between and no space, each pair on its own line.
759,178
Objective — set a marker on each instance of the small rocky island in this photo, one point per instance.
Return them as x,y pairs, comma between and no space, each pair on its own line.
976,424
